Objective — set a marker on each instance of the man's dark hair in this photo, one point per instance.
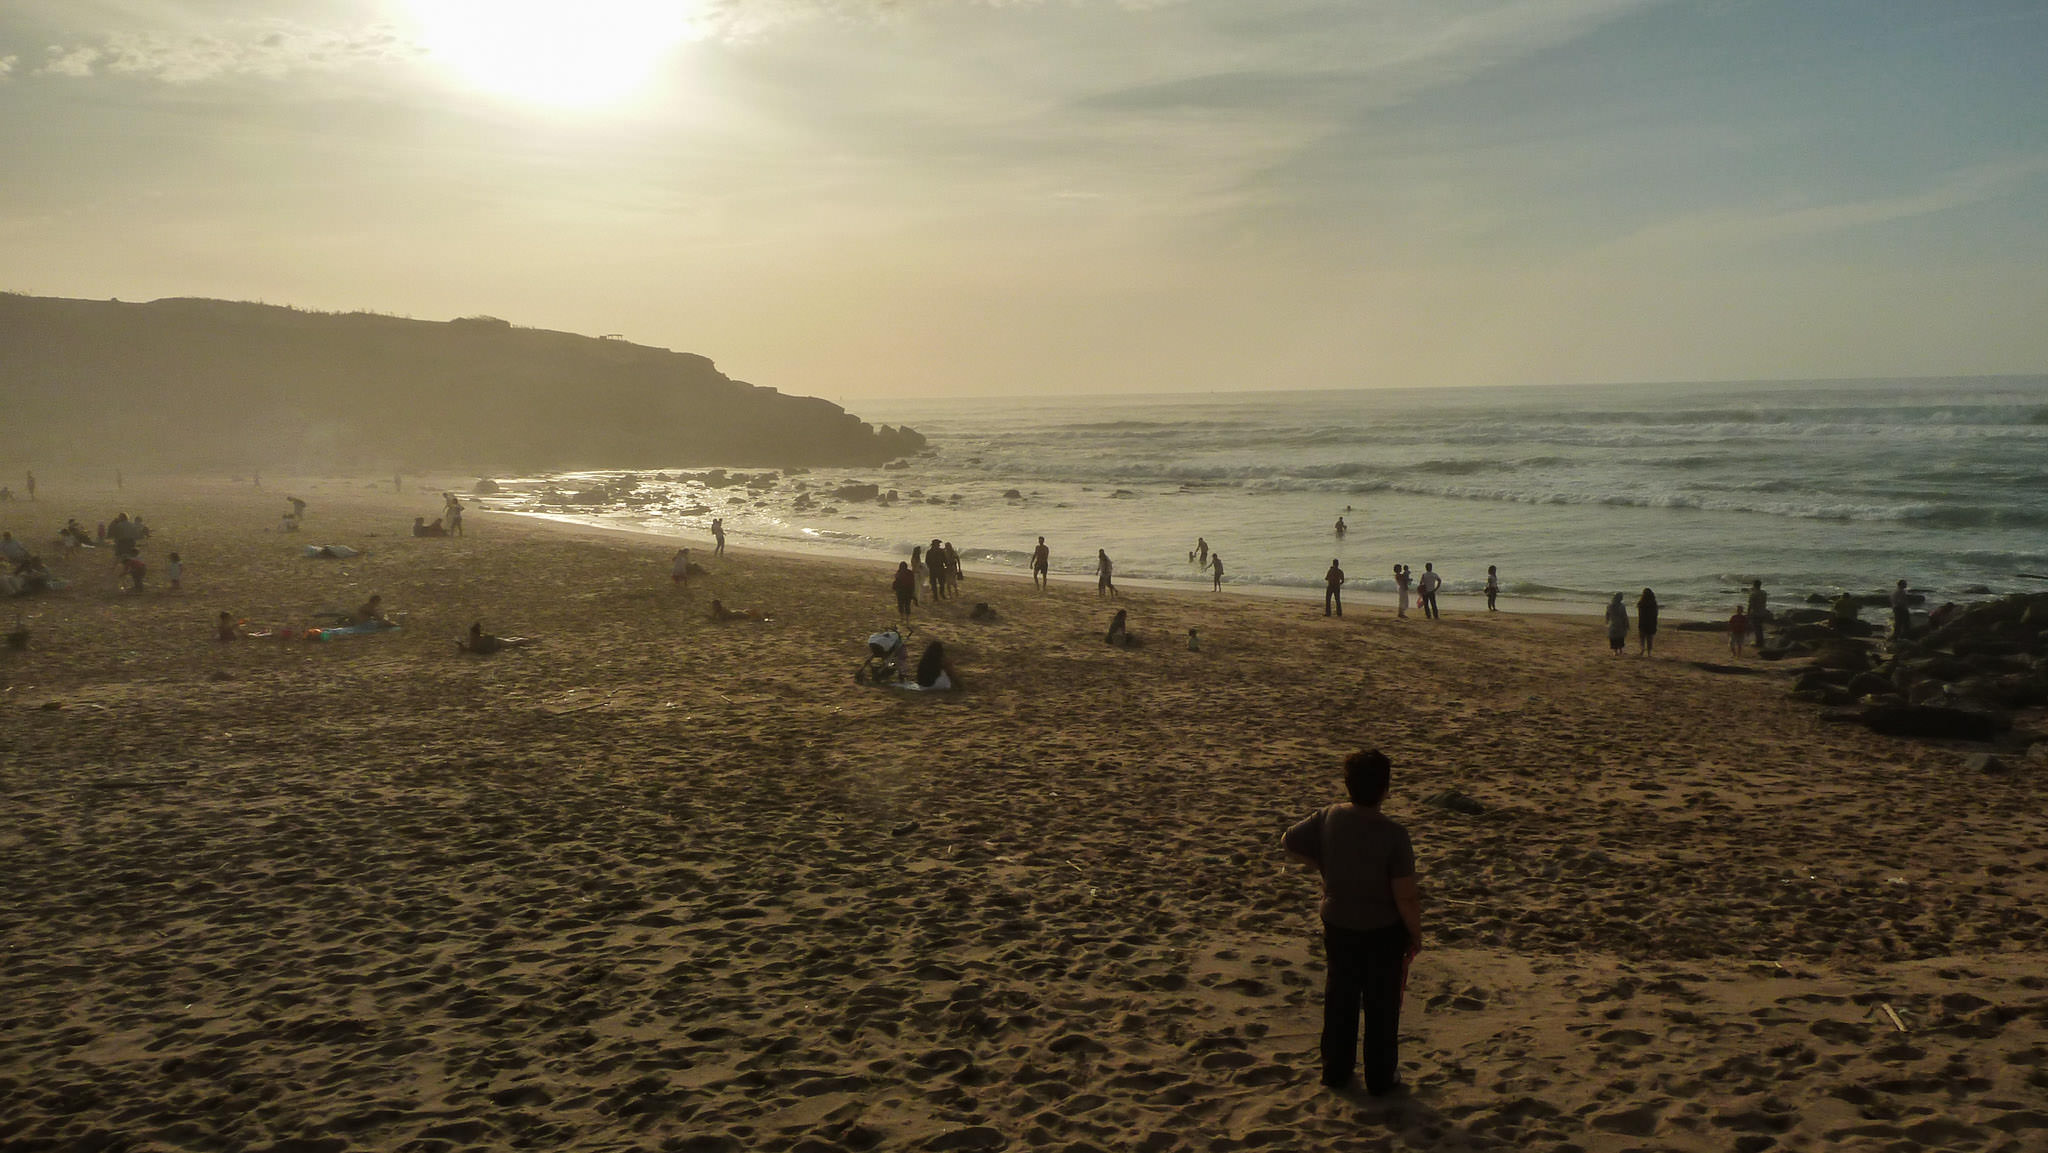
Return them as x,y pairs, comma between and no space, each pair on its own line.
1367,773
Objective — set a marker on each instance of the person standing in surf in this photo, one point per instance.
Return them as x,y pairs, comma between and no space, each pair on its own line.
1492,588
1216,563
1041,563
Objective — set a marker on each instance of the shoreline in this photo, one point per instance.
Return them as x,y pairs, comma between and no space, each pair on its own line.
659,881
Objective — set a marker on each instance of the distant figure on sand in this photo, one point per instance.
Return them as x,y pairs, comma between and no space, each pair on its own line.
722,614
484,644
31,484
1333,589
1492,588
1738,631
1646,622
1119,630
1401,590
905,586
1617,624
1105,572
176,572
934,671
1041,562
1759,611
917,574
224,628
1427,588
370,612
1902,612
1372,922
1216,566
718,536
298,508
679,567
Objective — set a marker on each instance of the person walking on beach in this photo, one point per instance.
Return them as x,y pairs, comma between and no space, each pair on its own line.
1759,610
1902,611
1738,631
1427,588
1104,571
1617,624
1216,564
1646,623
1372,922
1041,562
1492,588
905,586
31,484
1333,589
1401,587
718,536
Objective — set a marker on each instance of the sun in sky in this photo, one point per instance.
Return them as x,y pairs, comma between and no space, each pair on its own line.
557,53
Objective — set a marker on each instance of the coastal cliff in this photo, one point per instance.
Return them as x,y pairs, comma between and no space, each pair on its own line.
179,384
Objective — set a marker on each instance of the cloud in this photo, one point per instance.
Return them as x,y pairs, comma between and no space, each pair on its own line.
270,50
7,66
1772,224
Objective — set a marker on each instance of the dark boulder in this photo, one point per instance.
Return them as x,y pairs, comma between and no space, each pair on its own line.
1935,722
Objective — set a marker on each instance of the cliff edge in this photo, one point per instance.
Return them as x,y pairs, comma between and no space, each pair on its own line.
181,384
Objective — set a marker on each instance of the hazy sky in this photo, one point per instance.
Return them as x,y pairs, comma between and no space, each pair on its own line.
851,198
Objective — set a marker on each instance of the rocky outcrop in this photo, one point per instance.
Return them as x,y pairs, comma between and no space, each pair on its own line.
181,385
1965,680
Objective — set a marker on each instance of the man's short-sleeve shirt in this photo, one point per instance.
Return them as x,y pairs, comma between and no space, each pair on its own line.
1360,853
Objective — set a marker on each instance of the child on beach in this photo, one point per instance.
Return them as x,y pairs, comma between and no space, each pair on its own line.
679,568
224,628
905,586
1492,588
176,572
1738,631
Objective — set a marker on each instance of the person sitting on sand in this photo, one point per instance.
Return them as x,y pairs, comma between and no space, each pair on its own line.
934,671
720,613
225,629
369,612
1738,631
1372,921
484,644
1119,631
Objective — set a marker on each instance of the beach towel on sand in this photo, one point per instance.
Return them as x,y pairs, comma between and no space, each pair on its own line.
331,551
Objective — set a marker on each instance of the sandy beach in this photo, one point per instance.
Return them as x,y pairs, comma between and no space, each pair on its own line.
656,882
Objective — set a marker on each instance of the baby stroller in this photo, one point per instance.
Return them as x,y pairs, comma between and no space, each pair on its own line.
885,659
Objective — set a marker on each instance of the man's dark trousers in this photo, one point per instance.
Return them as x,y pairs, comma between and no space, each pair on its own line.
1364,978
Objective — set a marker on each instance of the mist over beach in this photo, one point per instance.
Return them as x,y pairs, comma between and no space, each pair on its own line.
811,575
